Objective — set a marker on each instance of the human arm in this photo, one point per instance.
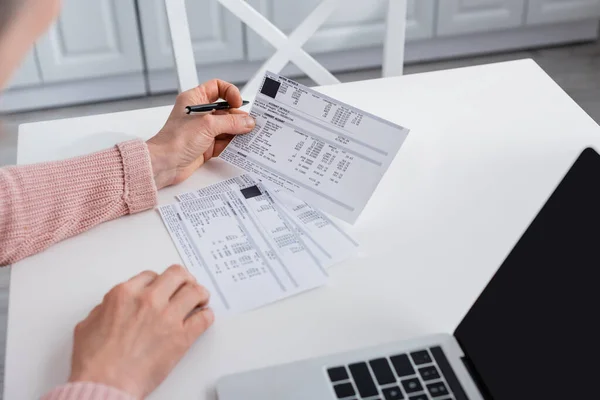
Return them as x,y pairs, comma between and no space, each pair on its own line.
43,204
130,342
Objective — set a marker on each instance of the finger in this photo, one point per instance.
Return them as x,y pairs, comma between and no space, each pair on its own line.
141,280
218,89
230,111
197,323
187,298
93,313
236,111
234,124
167,283
227,136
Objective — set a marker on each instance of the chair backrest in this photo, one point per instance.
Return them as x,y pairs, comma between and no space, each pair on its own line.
181,43
395,38
289,48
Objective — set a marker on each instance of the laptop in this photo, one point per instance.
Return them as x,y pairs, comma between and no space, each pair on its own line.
533,333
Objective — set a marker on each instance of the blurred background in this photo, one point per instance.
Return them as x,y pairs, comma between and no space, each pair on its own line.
115,55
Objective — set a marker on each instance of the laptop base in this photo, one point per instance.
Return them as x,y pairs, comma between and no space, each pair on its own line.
403,370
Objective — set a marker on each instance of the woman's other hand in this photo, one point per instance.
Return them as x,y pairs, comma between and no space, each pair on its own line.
186,142
140,331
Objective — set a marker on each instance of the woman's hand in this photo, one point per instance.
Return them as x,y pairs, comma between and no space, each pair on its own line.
188,141
140,331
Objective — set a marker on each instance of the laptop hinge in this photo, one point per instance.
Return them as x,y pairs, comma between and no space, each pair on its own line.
476,378
481,386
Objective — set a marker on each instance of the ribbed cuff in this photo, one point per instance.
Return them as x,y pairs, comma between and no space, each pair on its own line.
86,391
140,188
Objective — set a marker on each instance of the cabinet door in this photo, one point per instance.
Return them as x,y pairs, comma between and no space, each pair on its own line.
28,74
420,15
470,16
217,35
92,38
549,11
356,24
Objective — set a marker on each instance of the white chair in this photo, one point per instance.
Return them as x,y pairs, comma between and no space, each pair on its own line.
288,48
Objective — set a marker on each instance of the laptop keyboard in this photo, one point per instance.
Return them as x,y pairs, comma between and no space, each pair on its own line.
419,375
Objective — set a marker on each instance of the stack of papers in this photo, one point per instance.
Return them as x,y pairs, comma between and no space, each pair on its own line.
324,239
250,246
261,237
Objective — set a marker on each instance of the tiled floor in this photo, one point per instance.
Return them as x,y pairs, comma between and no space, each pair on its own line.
576,68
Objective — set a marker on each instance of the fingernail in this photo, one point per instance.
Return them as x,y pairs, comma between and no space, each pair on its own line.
249,121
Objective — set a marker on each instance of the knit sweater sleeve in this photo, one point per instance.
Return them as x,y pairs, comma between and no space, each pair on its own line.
45,203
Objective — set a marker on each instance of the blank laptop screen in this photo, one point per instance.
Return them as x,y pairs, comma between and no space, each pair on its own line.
534,332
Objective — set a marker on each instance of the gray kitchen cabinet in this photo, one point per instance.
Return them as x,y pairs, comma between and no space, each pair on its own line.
217,35
110,49
91,39
356,24
28,74
420,19
470,16
552,11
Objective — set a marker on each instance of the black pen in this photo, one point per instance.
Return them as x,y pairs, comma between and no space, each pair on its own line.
203,108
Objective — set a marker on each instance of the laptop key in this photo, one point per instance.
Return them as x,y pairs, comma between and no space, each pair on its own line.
344,390
437,389
363,379
402,365
412,385
419,397
392,393
383,372
337,374
421,357
429,373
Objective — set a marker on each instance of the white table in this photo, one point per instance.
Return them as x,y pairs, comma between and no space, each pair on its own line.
487,147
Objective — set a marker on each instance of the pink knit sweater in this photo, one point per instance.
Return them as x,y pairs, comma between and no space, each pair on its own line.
45,203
